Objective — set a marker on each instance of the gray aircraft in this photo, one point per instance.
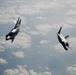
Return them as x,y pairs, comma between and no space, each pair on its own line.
12,34
63,40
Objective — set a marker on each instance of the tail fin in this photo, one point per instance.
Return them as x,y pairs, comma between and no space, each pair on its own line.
18,23
59,30
18,20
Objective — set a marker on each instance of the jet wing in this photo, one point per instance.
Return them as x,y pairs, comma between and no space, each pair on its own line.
63,44
66,36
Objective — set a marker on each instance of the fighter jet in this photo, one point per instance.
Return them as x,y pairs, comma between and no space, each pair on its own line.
12,34
63,40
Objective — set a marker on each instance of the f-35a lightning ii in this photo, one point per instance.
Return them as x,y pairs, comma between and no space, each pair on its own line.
63,40
12,34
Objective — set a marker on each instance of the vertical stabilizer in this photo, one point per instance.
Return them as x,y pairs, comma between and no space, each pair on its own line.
59,30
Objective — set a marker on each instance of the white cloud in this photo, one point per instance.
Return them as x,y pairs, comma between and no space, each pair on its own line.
11,72
41,18
28,10
72,70
16,71
71,20
44,42
19,54
23,40
32,72
71,12
71,1
4,19
47,68
59,48
7,10
1,48
72,42
3,61
46,4
43,29
73,6
14,1
34,32
20,70
65,25
7,14
46,73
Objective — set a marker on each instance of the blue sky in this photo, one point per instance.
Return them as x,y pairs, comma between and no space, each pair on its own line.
36,50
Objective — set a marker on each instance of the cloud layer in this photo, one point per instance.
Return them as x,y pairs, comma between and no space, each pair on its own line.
19,54
3,61
72,69
20,70
39,19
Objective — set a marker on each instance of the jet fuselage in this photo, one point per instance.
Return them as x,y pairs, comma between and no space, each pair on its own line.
63,41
